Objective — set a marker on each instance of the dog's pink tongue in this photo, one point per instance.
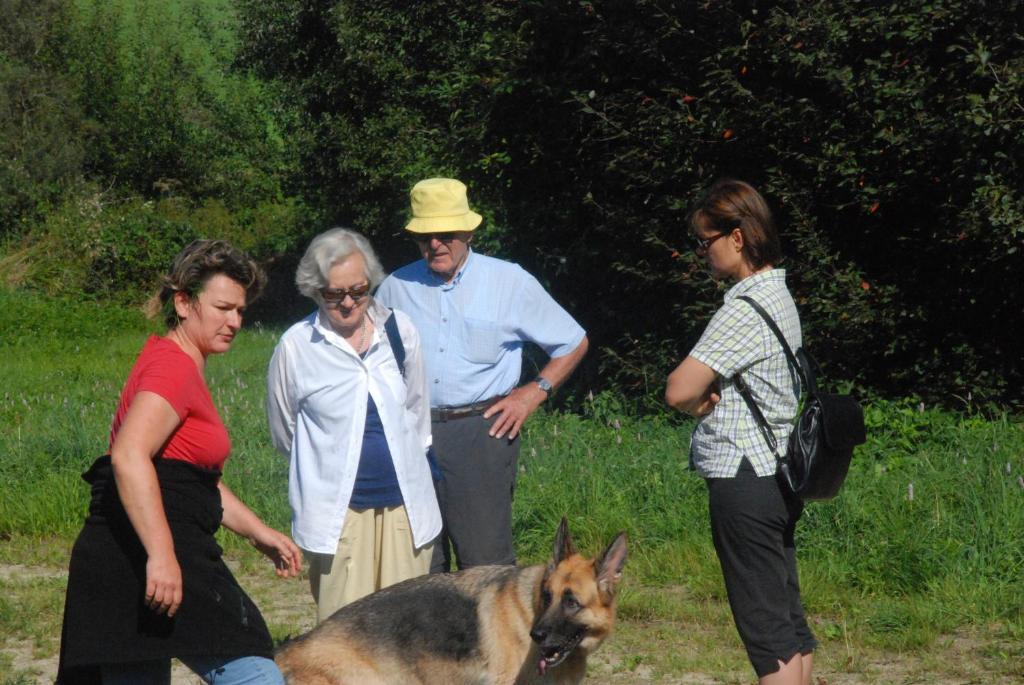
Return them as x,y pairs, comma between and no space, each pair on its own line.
542,666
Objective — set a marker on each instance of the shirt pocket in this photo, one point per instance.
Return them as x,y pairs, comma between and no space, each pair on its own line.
482,341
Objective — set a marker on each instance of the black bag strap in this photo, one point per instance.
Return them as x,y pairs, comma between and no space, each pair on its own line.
397,346
744,390
790,357
398,349
762,422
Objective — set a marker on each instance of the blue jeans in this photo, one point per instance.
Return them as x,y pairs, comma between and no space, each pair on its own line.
246,670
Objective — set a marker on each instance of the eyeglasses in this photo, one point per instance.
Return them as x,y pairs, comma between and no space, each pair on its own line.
441,237
337,296
702,244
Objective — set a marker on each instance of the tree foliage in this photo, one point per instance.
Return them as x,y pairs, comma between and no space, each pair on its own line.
125,132
887,137
38,115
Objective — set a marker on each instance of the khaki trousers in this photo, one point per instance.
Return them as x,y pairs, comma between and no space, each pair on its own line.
375,551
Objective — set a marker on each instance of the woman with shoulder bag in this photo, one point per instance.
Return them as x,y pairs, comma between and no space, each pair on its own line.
753,514
352,415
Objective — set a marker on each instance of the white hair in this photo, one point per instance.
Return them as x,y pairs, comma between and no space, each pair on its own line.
328,249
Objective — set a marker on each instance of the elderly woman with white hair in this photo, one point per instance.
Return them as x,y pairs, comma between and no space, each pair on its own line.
353,417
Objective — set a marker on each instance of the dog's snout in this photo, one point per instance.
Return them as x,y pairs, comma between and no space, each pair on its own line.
539,634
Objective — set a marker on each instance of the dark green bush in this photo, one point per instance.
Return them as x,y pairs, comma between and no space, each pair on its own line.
125,132
40,145
103,247
887,137
131,250
167,114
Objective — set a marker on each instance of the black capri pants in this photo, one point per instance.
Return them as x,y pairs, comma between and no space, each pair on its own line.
752,523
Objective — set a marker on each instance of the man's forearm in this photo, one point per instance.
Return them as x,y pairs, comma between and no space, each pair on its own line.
558,369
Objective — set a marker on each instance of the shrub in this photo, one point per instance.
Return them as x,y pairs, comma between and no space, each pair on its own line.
40,125
102,247
887,138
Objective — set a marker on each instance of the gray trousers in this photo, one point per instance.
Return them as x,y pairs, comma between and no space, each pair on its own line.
475,494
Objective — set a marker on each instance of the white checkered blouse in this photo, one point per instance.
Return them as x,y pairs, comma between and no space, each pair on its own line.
738,339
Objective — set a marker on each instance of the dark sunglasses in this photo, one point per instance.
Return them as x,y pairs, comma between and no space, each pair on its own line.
701,245
338,296
441,237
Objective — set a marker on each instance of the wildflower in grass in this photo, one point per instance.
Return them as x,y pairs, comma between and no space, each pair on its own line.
616,425
618,439
910,492
1008,469
1020,481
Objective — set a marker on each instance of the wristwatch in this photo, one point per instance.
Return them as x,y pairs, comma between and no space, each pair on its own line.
544,384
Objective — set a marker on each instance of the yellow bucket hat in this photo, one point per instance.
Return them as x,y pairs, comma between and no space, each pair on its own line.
439,205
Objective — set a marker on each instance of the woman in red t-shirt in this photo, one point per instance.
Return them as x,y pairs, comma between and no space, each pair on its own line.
146,580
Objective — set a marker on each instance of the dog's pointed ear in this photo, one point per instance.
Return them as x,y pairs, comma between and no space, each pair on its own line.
608,568
564,546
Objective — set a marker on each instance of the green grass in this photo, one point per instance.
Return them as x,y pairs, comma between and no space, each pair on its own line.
879,570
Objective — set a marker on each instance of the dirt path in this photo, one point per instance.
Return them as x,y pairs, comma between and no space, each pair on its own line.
641,652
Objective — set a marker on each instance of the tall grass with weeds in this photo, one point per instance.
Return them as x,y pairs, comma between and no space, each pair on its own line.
926,538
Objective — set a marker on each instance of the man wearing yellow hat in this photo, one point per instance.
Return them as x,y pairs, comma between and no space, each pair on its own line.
474,314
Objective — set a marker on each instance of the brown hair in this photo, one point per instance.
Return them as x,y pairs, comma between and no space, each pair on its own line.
198,263
731,204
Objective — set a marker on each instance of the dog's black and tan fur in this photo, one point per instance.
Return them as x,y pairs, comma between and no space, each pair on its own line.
490,625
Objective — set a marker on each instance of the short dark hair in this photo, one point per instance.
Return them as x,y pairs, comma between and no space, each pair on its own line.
731,204
198,263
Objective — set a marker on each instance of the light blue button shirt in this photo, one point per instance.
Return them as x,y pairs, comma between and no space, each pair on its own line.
473,329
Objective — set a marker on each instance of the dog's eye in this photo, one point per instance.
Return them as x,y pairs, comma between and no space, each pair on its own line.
545,597
570,603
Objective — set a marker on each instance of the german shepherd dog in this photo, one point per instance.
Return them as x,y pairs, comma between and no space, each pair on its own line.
488,625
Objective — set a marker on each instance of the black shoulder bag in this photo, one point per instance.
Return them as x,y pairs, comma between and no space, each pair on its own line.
398,349
827,428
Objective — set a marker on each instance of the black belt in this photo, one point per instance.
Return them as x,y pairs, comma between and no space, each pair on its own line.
475,409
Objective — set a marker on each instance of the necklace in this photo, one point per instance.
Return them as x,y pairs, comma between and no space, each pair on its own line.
362,336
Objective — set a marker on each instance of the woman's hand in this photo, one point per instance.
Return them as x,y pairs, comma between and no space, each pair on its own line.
693,387
163,584
147,425
239,519
280,549
707,402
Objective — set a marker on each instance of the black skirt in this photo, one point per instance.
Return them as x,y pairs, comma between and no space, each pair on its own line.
105,619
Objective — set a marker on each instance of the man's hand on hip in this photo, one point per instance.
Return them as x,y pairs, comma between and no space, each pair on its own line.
513,410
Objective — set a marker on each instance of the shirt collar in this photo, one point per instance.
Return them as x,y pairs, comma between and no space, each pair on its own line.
751,282
449,285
